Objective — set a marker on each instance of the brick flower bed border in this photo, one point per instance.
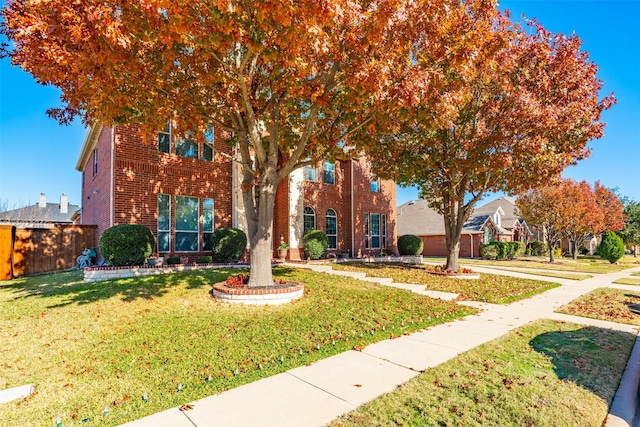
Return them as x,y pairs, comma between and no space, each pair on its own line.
98,274
271,295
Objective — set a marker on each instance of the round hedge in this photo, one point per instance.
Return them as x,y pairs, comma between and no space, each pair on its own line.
611,248
127,244
410,245
315,243
228,244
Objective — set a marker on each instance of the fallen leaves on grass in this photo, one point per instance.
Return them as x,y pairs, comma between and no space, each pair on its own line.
605,304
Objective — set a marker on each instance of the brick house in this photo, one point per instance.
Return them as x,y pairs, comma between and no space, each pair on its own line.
183,189
417,218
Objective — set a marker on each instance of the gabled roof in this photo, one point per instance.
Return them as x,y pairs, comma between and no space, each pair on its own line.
34,214
508,206
416,217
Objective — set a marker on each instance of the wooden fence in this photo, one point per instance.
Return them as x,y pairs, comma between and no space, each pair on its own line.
26,251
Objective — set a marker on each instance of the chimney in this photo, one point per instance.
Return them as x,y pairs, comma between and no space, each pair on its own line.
42,201
64,203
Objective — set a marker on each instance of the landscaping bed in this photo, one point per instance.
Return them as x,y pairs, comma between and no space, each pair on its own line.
545,373
605,304
90,345
487,288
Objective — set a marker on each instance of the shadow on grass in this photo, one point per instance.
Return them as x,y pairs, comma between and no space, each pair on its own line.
588,357
69,287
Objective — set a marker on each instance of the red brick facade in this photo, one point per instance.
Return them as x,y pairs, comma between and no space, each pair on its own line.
130,175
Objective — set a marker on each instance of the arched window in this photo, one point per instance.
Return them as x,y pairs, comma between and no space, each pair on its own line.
309,218
332,229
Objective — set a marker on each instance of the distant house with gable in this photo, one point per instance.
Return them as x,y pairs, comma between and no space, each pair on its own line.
43,214
496,220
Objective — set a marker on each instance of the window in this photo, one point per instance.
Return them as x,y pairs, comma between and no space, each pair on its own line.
332,229
375,231
366,231
329,172
207,223
384,231
164,223
95,162
487,235
310,173
207,149
375,184
164,139
186,223
187,147
309,219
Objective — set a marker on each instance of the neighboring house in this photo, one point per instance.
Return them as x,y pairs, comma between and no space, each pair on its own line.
42,214
417,218
183,189
504,213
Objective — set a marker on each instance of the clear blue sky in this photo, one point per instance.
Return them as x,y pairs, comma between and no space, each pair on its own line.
39,156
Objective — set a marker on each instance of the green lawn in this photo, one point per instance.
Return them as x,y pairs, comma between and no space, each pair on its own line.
545,373
89,345
549,273
594,265
605,304
627,281
489,288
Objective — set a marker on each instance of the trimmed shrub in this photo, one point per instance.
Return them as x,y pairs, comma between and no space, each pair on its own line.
315,243
173,260
489,251
127,244
611,248
410,245
538,248
206,259
228,244
518,248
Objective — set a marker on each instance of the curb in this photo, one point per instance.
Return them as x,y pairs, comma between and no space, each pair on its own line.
623,410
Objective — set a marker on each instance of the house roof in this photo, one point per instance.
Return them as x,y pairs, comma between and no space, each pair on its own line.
416,217
509,217
34,214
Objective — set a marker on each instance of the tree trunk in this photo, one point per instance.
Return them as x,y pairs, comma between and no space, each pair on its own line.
454,218
552,250
259,204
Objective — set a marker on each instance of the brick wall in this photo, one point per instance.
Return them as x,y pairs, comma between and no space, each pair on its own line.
437,245
96,207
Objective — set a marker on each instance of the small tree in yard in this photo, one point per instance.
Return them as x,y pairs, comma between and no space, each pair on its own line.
630,233
611,247
518,108
549,209
291,81
594,211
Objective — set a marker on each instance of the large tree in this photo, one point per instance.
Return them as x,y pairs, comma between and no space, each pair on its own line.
291,80
518,108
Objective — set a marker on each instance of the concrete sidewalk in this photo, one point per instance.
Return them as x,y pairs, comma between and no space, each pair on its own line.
316,394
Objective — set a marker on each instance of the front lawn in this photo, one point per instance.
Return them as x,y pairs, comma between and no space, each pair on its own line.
627,281
605,304
90,345
545,373
488,288
584,264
